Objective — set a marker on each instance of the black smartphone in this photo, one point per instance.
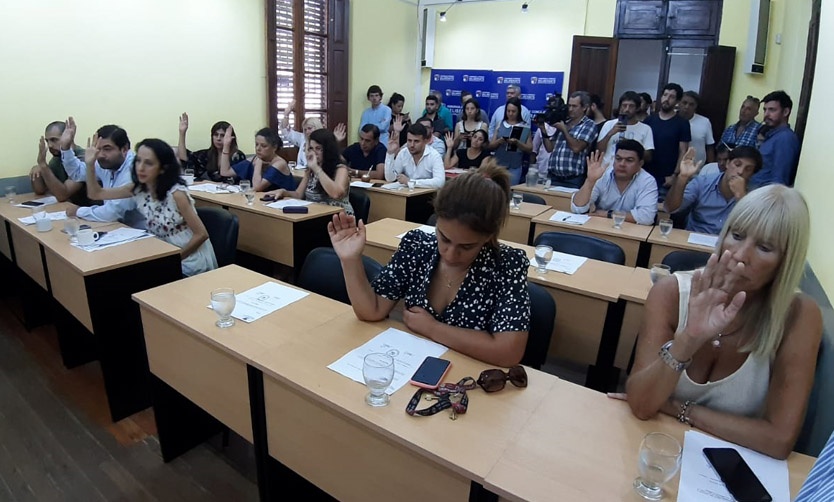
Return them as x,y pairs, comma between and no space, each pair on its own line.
268,198
737,476
31,203
431,372
623,119
296,209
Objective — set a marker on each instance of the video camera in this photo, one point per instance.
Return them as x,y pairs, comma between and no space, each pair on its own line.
555,111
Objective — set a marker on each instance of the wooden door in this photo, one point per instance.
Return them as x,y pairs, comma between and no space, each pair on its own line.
641,19
593,68
693,18
716,81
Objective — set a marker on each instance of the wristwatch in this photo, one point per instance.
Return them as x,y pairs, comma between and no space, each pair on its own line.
670,361
610,211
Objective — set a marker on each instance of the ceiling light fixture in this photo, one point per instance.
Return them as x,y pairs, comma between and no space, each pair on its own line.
443,17
525,8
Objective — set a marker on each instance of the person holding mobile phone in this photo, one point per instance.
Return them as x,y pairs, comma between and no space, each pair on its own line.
461,288
625,126
732,348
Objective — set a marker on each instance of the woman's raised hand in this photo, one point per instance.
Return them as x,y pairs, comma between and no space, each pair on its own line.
183,123
228,138
711,307
347,237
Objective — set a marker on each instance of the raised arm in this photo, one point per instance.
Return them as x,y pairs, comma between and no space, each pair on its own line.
688,169
182,151
94,190
581,200
225,156
450,160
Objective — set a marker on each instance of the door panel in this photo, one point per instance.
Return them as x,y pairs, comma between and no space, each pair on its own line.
593,67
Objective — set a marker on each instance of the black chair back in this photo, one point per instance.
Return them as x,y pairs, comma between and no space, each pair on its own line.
532,198
542,319
322,274
432,220
361,204
582,245
685,260
222,227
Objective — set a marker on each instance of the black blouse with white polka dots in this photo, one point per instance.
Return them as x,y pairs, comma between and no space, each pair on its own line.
493,296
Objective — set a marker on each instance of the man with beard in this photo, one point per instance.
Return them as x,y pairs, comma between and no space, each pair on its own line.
114,168
51,176
625,126
671,137
780,148
417,161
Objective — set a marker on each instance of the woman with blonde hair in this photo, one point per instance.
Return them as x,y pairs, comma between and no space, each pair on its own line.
460,286
732,348
299,139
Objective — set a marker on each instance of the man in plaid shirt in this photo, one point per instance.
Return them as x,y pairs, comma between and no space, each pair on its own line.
569,147
743,132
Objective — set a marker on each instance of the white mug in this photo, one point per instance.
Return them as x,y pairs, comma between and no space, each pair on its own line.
188,179
86,236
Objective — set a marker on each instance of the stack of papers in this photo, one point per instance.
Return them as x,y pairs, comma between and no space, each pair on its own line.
562,189
562,262
573,219
214,188
456,170
263,300
408,352
361,184
115,238
700,483
423,228
280,204
57,215
393,186
44,201
705,240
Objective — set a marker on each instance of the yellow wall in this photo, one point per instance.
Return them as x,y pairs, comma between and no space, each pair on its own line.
815,176
785,63
136,63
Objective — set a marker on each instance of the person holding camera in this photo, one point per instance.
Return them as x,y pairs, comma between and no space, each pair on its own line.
569,146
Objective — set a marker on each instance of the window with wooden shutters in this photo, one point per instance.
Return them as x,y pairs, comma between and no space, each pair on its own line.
307,43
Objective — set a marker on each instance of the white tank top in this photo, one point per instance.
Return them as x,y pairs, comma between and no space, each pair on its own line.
741,393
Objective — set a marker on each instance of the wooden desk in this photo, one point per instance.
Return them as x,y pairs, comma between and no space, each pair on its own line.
319,425
400,204
580,446
629,237
557,200
284,238
95,318
200,371
518,225
676,241
634,295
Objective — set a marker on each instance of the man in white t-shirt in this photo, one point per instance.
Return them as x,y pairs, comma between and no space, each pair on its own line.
625,126
700,127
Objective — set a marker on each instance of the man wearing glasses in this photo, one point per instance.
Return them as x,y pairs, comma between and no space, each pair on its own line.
743,132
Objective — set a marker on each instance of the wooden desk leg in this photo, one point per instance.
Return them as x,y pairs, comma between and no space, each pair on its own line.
76,343
117,326
603,376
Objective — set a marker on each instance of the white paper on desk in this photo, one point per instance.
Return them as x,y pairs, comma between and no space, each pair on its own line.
562,189
573,219
423,228
214,188
280,204
361,184
393,186
703,240
54,216
407,350
44,201
562,262
263,300
699,482
455,170
115,238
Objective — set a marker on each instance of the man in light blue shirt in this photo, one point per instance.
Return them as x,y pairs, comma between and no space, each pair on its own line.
513,91
625,186
710,198
819,485
378,114
780,149
114,168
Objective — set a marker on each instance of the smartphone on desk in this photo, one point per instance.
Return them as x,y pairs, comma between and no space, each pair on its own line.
431,372
31,203
736,475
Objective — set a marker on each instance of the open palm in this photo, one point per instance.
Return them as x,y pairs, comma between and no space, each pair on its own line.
348,239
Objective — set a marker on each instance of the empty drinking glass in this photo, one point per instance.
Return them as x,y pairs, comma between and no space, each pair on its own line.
71,228
543,257
223,304
659,460
412,184
665,228
517,198
659,271
378,372
619,218
11,193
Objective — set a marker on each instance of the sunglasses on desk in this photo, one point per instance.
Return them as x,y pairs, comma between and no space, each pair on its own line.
495,379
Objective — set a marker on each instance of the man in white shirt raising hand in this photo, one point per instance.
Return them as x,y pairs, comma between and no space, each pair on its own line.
424,165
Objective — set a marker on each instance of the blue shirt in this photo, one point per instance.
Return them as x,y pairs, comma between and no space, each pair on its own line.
380,117
708,207
245,169
356,158
747,138
780,155
819,485
639,197
123,210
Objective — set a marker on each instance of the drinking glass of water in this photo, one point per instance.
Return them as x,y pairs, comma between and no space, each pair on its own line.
71,228
378,372
223,304
412,184
517,198
543,256
665,228
619,218
11,193
659,460
245,185
659,271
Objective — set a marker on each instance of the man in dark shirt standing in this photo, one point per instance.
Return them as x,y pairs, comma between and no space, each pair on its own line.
367,155
671,138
